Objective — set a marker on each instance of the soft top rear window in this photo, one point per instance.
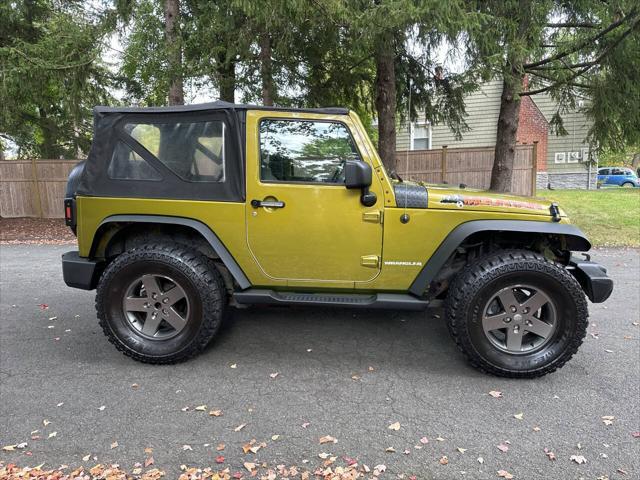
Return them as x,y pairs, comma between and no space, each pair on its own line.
192,150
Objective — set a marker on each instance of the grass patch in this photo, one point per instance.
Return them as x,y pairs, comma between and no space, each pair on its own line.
609,217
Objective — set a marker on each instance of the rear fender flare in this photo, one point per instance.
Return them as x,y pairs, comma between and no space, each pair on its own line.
208,234
576,241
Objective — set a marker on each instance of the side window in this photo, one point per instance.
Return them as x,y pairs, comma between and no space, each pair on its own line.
192,150
604,171
126,164
617,171
304,151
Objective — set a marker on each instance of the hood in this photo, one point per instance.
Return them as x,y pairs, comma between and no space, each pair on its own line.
447,197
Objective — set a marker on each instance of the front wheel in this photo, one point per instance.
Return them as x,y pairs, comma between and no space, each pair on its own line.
517,314
161,303
628,185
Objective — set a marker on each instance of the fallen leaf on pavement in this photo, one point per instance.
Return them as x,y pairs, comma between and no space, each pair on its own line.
114,445
215,413
443,460
440,439
235,365
608,419
549,453
86,458
220,447
480,460
201,408
503,448
536,429
219,459
274,375
275,437
424,440
149,461
240,427
635,434
505,474
518,416
305,424
9,448
135,385
621,471
328,439
249,466
390,450
380,469
187,447
53,434
495,394
46,422
579,459
462,450
102,408
394,426
148,450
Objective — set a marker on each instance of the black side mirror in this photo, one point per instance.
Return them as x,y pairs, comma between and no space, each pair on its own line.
358,174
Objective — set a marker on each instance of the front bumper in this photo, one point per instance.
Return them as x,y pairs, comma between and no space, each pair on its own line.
592,278
80,272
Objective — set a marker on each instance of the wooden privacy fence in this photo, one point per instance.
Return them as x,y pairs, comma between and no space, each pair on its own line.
36,188
33,188
471,166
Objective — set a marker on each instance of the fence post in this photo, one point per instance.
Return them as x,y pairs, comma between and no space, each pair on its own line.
443,166
34,170
534,168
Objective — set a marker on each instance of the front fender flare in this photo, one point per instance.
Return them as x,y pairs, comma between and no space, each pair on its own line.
576,241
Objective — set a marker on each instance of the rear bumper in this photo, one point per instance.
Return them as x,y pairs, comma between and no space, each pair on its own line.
79,272
592,277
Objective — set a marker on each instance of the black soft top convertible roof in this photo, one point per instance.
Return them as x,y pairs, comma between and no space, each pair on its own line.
119,165
218,105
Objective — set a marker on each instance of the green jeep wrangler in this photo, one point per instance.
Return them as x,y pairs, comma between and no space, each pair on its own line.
182,212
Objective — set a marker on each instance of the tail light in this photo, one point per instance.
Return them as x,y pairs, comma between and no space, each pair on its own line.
69,212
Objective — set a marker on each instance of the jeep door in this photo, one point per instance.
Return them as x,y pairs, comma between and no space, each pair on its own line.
303,225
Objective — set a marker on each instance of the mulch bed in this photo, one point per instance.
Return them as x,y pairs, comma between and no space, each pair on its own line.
49,231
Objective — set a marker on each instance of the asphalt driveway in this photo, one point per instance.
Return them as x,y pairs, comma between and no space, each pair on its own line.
340,373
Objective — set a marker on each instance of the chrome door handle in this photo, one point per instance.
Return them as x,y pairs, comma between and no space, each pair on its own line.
267,203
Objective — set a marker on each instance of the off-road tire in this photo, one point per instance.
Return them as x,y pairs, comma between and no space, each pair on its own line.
198,277
473,286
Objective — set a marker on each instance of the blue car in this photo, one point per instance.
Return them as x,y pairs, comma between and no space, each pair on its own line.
620,176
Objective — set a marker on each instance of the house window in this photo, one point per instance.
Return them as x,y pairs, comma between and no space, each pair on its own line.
420,136
560,157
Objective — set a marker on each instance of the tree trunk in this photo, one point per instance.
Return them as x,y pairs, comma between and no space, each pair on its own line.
227,80
502,172
266,70
386,101
174,51
48,148
635,163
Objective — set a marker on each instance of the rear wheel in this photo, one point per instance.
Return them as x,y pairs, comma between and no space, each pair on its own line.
628,185
161,303
517,314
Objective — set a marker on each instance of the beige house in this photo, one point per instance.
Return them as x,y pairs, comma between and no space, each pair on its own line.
562,160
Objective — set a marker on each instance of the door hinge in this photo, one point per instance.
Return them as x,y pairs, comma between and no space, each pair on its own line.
373,216
372,261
